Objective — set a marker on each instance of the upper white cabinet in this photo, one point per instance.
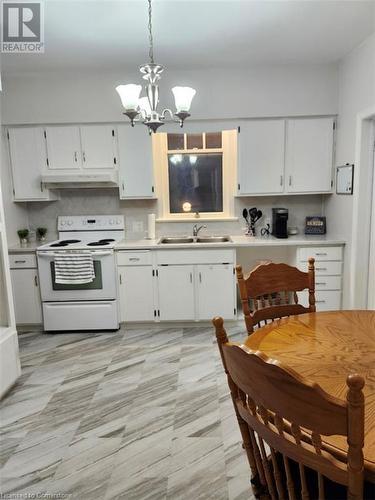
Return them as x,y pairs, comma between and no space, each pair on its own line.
98,146
136,179
28,159
309,155
63,147
292,156
261,157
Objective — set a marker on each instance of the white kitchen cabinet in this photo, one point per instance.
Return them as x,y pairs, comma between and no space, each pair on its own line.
63,147
136,293
98,147
176,293
261,157
328,279
215,293
26,295
28,159
136,179
309,155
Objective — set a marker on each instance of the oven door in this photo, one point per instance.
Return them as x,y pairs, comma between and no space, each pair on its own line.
103,287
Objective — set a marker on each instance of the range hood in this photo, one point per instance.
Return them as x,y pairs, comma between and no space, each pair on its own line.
79,180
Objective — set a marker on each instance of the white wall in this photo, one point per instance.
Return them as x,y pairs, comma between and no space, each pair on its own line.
356,94
227,93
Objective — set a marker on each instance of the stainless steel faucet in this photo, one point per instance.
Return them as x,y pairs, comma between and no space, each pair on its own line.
196,229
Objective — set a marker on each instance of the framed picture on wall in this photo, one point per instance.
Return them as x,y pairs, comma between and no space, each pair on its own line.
344,179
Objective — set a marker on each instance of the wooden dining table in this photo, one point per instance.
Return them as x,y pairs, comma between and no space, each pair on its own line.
326,347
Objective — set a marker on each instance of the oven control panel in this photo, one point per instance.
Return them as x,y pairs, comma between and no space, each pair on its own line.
90,222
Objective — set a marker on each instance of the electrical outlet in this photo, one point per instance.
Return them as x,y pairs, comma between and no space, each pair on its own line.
138,226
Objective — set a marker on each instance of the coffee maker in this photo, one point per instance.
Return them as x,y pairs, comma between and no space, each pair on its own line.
280,222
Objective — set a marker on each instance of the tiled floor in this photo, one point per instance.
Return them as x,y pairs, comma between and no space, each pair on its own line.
135,415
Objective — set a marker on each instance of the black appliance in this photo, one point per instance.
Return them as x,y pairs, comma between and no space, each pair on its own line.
280,222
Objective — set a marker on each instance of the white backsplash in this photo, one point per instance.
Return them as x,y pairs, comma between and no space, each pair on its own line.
106,201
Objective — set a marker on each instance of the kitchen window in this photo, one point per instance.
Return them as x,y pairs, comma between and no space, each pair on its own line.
195,174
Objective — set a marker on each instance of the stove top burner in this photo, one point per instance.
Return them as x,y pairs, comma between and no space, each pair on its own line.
98,243
64,243
106,240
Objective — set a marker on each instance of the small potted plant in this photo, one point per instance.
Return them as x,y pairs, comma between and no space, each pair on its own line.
41,233
23,234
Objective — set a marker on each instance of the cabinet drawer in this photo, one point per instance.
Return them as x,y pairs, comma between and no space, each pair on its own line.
134,258
325,268
324,300
320,253
19,260
327,301
328,283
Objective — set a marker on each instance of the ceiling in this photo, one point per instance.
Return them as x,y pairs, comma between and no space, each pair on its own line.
109,34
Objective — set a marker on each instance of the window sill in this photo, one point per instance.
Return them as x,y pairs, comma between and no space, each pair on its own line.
198,219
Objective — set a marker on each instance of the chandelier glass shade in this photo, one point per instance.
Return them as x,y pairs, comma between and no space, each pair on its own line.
145,109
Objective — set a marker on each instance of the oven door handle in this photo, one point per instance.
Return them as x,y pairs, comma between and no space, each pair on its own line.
94,254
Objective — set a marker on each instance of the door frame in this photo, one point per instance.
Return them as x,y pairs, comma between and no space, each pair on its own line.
371,267
360,254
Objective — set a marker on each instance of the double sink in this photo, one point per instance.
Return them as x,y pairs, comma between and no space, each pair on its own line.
205,239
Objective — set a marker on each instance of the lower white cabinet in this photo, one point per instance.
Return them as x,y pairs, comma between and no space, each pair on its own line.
136,286
180,285
26,293
328,276
176,292
215,291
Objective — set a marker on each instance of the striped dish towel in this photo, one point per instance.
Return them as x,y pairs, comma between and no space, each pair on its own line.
74,267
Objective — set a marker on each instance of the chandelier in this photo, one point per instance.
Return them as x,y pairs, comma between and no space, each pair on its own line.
144,109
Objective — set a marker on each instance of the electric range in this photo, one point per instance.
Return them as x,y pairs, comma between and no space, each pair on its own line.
88,306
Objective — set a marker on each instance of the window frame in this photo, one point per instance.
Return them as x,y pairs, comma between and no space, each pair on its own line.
229,165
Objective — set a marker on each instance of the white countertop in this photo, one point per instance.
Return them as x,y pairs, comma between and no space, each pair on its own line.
29,248
237,241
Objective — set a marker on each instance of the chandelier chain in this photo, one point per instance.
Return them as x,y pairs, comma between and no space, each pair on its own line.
151,41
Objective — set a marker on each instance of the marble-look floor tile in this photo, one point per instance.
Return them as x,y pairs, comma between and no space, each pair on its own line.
239,487
137,488
197,469
143,413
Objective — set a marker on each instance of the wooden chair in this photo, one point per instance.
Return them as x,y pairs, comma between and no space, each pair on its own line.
275,405
269,292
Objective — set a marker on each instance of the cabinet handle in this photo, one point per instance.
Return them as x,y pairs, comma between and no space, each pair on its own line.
281,180
84,156
321,254
36,280
191,277
320,301
290,180
75,156
200,277
321,269
41,186
122,185
134,259
20,261
321,283
120,279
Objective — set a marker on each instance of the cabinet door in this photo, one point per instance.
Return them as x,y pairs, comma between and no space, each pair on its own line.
64,147
176,292
261,157
26,296
136,179
136,293
309,153
28,158
216,291
98,147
